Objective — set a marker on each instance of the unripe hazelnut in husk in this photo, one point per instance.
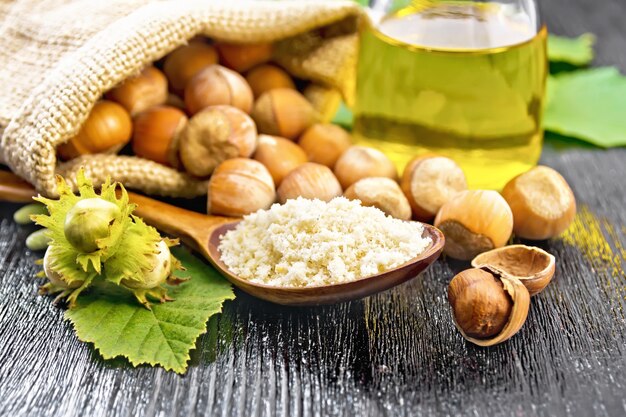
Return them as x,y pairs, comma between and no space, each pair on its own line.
89,221
107,129
141,92
214,135
473,222
161,261
309,181
283,112
382,193
217,85
183,63
242,57
240,186
429,182
359,162
324,143
55,278
542,202
279,155
157,133
268,77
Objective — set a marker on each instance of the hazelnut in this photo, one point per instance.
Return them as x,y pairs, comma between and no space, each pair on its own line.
279,155
283,112
309,181
182,64
359,162
542,202
240,186
141,92
156,134
107,129
473,222
533,266
383,193
242,57
268,77
487,308
174,100
429,182
216,85
215,134
325,143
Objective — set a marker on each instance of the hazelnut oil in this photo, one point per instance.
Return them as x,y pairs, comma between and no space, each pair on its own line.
458,78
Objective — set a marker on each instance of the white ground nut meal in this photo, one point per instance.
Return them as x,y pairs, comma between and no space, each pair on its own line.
310,242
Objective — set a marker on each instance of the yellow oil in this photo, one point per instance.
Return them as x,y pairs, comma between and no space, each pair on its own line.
457,78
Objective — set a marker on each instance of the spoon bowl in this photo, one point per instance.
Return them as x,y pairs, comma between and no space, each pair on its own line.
333,293
202,232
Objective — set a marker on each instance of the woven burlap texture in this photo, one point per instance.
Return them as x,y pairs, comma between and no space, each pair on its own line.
59,56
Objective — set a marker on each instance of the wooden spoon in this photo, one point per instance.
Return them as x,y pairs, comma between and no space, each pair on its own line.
203,233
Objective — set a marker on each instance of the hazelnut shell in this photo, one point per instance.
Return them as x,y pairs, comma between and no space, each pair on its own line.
268,77
139,93
238,187
533,266
359,162
309,181
473,222
428,182
382,193
475,301
542,202
156,134
215,85
279,155
214,135
283,112
324,143
182,64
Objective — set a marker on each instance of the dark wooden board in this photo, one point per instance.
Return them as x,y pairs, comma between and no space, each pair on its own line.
396,353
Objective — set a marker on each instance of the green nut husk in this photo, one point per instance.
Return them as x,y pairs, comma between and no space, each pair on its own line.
95,237
38,240
23,215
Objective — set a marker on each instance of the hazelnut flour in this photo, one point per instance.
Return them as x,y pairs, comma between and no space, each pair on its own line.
306,243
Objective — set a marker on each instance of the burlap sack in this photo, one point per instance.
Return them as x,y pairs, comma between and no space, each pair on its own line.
59,56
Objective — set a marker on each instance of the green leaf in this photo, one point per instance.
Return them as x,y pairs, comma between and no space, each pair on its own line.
117,325
576,51
344,116
589,105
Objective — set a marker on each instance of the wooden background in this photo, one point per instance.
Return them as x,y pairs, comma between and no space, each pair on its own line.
396,353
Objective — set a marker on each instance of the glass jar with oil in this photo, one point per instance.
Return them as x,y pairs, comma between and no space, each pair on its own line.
464,79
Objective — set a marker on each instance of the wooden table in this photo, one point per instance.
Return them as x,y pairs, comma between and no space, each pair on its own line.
396,353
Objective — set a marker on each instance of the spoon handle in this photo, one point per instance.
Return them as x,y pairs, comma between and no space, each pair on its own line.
14,189
193,227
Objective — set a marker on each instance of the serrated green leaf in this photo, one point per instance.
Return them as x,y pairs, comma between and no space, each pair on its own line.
576,51
118,326
589,105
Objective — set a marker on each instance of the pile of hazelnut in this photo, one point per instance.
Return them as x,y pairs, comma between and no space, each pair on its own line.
225,112
490,301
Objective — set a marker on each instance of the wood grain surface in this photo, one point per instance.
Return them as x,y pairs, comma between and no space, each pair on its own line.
396,353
